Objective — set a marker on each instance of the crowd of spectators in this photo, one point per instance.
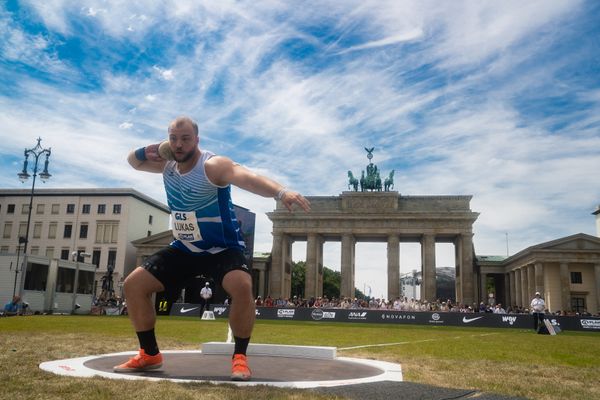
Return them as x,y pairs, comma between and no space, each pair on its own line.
399,304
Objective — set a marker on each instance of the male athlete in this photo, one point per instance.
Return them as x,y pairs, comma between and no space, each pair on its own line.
207,239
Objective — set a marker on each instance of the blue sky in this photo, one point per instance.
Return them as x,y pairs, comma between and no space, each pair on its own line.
499,100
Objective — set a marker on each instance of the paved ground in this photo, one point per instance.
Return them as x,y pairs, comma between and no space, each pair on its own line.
407,391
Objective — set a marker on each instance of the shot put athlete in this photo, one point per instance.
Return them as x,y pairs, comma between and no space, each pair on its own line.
207,238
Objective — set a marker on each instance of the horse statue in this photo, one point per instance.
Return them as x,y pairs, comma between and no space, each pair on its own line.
389,182
363,182
352,182
377,182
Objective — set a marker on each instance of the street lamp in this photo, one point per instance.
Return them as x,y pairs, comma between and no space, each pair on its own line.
36,152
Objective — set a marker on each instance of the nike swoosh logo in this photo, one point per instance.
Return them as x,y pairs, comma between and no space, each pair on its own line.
467,320
184,310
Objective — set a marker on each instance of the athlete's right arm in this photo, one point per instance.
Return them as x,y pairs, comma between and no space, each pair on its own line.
147,159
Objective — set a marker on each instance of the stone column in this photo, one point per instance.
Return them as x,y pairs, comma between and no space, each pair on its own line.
428,286
597,276
347,266
287,273
525,288
565,287
482,290
507,298
513,294
539,277
393,270
531,280
261,283
277,267
312,266
320,266
466,269
518,292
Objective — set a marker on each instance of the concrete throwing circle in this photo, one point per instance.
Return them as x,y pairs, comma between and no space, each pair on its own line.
272,370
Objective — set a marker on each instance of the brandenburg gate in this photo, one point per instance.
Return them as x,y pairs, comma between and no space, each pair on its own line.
374,216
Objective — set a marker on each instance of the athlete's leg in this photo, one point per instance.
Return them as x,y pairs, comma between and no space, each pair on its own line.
238,284
139,287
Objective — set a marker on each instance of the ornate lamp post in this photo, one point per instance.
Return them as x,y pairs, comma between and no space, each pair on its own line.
35,152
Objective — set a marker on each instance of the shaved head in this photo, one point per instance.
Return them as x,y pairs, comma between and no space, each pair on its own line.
181,122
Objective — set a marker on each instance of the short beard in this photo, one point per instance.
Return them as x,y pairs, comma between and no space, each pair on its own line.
186,157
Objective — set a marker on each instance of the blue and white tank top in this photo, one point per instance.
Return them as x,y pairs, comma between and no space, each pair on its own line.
202,213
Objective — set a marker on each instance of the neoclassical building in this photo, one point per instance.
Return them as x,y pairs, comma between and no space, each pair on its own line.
374,217
565,271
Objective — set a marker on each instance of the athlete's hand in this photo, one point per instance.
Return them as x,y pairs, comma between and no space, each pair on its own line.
152,153
289,198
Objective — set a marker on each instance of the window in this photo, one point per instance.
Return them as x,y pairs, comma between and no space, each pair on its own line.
107,231
23,229
65,280
85,209
10,209
7,230
70,208
35,250
116,209
96,257
24,208
578,304
50,252
150,219
52,230
80,258
39,209
576,277
55,208
64,254
3,249
67,231
37,230
36,277
101,208
85,282
112,257
83,231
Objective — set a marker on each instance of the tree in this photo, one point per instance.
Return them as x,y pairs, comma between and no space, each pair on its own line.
332,281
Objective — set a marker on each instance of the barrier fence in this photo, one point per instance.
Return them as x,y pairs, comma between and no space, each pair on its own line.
487,320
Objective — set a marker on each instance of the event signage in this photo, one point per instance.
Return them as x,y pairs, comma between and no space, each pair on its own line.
364,315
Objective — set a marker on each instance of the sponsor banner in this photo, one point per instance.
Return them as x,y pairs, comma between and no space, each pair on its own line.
487,320
588,323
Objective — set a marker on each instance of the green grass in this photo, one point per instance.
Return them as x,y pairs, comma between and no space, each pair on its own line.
506,361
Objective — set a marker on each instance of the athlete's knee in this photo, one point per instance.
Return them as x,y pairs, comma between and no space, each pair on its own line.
139,282
238,284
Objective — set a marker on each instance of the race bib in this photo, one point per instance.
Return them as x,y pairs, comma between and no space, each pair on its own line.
185,226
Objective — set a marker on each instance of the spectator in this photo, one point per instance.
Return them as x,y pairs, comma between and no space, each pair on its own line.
205,296
538,307
13,307
498,309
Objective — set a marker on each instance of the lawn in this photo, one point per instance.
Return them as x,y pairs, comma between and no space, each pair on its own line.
506,361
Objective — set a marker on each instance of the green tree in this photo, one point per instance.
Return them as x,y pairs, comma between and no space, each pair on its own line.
298,278
332,281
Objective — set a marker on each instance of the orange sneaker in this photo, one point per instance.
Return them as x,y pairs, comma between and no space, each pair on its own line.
239,368
140,362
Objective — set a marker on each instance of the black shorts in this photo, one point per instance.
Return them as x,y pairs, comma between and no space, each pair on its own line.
174,268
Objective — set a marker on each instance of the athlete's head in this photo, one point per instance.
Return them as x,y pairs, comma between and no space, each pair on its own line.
183,138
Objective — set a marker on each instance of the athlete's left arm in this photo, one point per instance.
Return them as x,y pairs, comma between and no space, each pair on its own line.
222,171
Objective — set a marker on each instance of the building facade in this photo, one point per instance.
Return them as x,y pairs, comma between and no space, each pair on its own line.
565,271
100,222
